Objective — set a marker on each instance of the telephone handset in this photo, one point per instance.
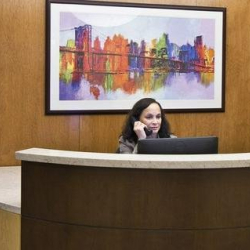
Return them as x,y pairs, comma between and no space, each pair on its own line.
147,131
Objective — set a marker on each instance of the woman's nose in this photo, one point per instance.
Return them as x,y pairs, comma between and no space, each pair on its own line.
154,120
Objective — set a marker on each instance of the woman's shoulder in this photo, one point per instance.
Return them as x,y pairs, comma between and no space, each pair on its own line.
126,146
173,136
126,141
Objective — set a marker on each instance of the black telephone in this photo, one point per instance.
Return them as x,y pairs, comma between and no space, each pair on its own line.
147,131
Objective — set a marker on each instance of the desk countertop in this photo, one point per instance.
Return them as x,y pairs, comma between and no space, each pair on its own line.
76,158
10,189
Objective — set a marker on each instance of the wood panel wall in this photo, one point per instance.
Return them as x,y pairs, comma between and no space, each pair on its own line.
23,123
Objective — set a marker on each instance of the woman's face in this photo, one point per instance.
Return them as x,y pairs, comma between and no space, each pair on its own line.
151,117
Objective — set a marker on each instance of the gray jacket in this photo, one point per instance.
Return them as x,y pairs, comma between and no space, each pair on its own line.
127,147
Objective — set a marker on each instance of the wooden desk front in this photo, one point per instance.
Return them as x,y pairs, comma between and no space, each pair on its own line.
67,206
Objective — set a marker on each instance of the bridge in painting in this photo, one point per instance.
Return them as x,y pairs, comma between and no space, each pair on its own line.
100,62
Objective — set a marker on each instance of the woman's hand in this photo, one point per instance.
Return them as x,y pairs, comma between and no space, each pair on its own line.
139,129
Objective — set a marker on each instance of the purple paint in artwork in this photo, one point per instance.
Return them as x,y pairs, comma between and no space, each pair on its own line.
180,63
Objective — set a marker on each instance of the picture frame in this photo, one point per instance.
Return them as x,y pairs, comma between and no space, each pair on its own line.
102,57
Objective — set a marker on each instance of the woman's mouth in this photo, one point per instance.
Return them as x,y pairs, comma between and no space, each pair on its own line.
153,128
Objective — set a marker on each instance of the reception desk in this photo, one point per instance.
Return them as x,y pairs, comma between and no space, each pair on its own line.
96,201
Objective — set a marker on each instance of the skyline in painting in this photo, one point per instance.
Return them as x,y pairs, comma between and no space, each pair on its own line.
137,28
110,57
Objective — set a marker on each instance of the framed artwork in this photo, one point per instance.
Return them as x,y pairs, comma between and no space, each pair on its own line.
103,57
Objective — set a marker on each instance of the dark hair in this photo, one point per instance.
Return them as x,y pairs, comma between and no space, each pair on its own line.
128,132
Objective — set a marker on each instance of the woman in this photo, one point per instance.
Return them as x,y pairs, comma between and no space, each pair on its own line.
146,114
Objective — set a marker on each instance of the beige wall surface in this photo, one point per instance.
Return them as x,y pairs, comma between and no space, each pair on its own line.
23,123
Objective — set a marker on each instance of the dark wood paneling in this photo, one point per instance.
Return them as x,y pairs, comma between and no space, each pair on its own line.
137,198
198,209
35,235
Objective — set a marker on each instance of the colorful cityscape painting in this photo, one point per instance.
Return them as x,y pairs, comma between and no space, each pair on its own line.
113,54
